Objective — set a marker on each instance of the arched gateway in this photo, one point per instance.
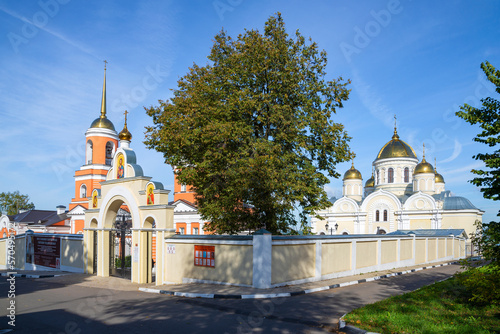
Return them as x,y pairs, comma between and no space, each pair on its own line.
151,217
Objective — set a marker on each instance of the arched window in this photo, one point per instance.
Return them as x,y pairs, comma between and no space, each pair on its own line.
345,233
378,177
390,175
381,231
377,216
385,215
407,175
89,152
83,191
109,153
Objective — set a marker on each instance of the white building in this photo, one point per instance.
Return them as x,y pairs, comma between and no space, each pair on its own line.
401,194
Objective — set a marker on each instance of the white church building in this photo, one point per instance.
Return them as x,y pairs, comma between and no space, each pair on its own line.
401,194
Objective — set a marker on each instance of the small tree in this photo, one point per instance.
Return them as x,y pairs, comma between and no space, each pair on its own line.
487,240
252,131
12,202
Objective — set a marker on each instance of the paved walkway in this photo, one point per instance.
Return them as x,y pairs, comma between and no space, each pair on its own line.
199,290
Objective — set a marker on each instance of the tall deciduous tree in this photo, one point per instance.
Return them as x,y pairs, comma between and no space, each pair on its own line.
488,118
12,202
252,131
487,237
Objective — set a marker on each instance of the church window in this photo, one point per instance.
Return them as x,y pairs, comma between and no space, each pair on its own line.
89,152
83,191
109,153
195,230
183,188
378,177
385,215
407,175
377,216
390,175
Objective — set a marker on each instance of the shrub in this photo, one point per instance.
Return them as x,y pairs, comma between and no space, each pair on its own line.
482,285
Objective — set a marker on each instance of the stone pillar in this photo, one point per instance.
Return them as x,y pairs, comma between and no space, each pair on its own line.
262,259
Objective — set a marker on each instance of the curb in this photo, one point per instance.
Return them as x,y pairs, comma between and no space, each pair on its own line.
26,275
285,294
348,329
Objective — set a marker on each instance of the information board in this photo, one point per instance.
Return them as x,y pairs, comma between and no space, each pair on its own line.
47,251
204,256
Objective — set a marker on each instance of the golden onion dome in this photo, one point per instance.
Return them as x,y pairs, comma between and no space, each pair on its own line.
125,134
396,148
370,183
102,123
352,174
423,168
439,178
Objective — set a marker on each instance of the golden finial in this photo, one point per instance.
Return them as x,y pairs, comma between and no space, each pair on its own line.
395,135
103,99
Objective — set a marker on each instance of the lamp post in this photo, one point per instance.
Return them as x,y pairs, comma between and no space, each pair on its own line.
336,226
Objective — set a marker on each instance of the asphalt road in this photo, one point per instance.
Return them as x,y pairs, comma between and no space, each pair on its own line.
62,306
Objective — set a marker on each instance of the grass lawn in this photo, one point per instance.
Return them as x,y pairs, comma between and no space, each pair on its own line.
438,308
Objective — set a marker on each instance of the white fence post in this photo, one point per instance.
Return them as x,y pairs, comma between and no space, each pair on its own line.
262,259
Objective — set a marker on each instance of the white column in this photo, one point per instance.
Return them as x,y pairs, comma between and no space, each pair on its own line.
353,255
262,259
318,246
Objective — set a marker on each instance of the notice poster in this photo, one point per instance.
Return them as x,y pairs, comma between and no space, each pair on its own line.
204,256
47,251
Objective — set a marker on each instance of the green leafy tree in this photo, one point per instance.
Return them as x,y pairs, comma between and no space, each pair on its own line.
252,131
12,202
488,118
487,237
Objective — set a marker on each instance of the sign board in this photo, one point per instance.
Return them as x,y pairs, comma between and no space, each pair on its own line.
204,256
170,249
135,254
46,251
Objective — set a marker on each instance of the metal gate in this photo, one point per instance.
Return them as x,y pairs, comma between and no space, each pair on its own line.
94,264
120,245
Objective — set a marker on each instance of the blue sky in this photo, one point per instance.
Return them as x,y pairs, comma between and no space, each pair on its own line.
416,59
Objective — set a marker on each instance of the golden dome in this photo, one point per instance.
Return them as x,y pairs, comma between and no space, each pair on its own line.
370,183
423,167
439,178
396,148
125,134
103,123
352,174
